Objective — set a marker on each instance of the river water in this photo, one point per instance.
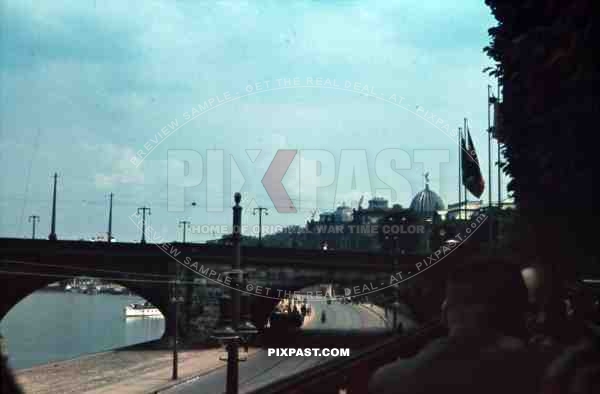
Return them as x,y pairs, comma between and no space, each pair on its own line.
53,326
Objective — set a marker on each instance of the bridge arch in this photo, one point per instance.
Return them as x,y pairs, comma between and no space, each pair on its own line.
24,284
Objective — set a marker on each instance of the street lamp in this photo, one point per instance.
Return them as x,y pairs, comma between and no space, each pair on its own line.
231,335
246,329
230,331
395,250
176,299
225,333
224,330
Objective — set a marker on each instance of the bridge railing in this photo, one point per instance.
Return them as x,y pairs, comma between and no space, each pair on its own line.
351,374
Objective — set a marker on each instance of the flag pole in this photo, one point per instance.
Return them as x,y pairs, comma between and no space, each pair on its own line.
459,173
465,195
499,153
490,235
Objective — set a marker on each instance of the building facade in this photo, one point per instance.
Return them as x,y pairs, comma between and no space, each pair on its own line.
380,226
464,211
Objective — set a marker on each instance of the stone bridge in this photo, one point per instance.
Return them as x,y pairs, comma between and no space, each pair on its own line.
147,270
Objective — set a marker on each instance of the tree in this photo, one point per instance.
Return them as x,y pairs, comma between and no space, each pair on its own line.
545,61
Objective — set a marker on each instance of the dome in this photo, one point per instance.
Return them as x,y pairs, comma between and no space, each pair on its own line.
427,202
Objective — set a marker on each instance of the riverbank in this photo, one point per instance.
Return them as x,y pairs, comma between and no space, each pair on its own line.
137,369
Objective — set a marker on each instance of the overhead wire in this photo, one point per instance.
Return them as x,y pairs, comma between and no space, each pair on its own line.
107,279
123,202
88,272
78,268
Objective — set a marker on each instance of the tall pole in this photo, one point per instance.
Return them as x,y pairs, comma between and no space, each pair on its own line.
490,219
465,131
144,209
176,339
33,219
175,300
395,267
260,213
110,219
52,236
489,147
232,347
499,155
460,170
185,223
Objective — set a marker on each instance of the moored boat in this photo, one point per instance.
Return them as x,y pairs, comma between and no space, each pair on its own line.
142,310
91,290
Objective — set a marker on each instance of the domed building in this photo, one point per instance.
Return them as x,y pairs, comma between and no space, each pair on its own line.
427,203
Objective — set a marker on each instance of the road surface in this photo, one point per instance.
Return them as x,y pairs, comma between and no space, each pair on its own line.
260,369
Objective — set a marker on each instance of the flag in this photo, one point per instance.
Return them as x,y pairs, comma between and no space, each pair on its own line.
472,177
497,129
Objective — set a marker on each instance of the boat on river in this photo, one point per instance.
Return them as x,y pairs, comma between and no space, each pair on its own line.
115,289
91,290
142,310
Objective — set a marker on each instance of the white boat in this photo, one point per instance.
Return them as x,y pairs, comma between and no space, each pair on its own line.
114,289
72,287
142,310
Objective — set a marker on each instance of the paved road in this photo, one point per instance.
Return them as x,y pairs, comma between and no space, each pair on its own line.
344,317
261,369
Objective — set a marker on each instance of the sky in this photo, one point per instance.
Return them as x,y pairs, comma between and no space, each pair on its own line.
177,105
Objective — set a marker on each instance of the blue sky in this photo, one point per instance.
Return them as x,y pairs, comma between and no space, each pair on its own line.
85,85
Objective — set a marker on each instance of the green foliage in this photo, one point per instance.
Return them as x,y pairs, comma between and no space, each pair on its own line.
544,54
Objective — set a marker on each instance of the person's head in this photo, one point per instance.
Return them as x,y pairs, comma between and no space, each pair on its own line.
486,294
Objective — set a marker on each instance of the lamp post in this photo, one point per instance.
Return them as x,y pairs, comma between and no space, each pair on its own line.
230,332
393,247
246,329
176,299
395,251
395,270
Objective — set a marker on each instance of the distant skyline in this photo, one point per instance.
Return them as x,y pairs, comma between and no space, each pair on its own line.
85,86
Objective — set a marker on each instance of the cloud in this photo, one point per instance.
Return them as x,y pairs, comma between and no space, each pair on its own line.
35,33
100,79
123,172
